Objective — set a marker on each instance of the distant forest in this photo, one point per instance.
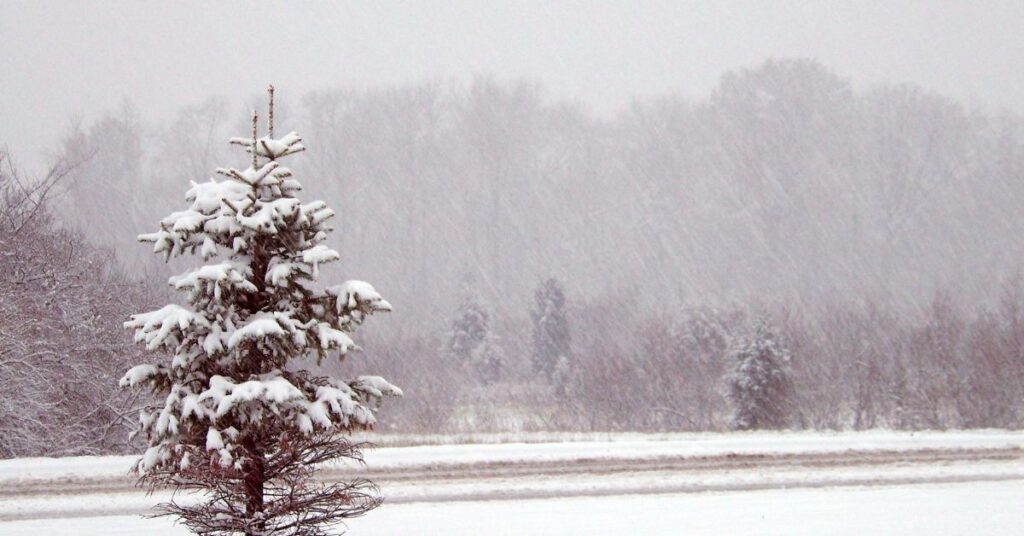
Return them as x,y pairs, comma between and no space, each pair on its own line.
874,232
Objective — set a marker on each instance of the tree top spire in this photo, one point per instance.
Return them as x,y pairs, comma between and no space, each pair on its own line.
270,111
254,118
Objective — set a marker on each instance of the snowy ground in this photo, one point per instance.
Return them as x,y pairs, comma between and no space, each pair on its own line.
936,510
791,483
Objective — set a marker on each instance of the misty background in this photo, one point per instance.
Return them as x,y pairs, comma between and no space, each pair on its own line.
850,175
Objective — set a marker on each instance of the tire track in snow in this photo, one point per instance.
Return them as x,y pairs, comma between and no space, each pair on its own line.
511,480
558,468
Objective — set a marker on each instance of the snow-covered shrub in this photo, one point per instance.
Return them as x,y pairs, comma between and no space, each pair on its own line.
60,351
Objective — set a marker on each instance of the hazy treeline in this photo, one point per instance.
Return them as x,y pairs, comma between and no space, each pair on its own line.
784,185
877,229
848,368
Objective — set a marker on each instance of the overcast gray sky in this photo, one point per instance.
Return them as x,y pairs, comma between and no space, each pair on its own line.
61,58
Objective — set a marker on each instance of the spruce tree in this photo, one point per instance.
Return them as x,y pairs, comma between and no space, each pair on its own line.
471,340
242,422
759,385
551,337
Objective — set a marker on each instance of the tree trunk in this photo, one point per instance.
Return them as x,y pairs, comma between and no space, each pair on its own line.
252,483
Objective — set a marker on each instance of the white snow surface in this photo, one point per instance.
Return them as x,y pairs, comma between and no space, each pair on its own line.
156,326
968,496
138,374
692,445
352,293
257,327
991,508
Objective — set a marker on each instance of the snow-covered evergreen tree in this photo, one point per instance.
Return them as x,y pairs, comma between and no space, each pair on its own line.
471,340
759,385
242,422
551,336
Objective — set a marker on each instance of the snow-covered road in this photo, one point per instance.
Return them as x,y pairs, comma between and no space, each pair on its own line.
790,483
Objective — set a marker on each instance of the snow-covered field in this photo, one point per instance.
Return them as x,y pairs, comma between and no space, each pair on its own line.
761,483
934,510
